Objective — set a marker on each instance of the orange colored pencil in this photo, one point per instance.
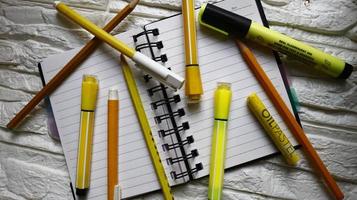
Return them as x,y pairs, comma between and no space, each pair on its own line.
289,119
70,66
112,141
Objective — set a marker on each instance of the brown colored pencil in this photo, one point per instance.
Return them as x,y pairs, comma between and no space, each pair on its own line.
70,66
289,118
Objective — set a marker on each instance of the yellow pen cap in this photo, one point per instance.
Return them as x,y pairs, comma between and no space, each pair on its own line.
89,92
193,86
222,100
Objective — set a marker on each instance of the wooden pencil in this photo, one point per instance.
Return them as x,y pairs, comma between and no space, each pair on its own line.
70,66
289,119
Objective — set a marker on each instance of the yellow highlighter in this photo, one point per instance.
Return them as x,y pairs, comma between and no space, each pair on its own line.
193,85
84,156
222,101
273,129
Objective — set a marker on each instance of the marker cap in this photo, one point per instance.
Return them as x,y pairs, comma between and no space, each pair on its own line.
224,21
222,100
89,92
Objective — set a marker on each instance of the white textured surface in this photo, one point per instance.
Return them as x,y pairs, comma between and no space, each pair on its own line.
32,165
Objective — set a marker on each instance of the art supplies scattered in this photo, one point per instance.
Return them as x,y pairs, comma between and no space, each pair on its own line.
149,150
272,128
222,102
151,67
145,128
113,145
84,158
193,85
237,26
70,66
289,119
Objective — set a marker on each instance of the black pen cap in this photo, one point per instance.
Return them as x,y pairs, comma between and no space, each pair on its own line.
224,21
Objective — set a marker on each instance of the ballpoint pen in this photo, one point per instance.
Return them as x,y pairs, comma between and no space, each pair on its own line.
160,72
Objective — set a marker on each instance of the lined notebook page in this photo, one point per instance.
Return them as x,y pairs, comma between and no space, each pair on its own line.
136,172
220,61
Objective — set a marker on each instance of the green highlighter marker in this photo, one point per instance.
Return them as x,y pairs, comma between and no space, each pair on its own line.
222,101
235,25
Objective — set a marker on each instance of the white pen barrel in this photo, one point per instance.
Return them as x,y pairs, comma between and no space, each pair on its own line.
158,71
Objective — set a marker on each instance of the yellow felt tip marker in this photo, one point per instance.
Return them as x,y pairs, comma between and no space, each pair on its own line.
272,128
193,85
222,101
153,68
237,26
84,156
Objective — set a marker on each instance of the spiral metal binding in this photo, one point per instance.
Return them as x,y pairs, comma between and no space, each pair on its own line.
174,99
183,127
179,113
175,175
170,116
194,153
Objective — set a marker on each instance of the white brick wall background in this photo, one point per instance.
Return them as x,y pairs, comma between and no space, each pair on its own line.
32,165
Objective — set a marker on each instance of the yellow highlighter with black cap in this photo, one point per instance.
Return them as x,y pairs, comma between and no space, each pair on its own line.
237,26
84,156
222,101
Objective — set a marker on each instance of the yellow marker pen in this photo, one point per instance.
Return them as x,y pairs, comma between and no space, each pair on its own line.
235,25
222,101
193,85
84,156
273,129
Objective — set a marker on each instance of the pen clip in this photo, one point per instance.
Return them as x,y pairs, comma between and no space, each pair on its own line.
117,192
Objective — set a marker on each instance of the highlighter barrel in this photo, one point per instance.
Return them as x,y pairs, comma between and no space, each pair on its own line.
235,25
84,156
193,86
153,68
222,100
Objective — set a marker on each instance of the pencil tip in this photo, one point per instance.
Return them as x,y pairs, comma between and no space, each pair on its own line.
133,3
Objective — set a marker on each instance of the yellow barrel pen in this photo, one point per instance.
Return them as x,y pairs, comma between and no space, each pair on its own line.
193,85
160,72
272,128
84,156
222,101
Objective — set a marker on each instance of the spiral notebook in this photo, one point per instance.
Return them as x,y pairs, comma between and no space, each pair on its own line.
182,134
